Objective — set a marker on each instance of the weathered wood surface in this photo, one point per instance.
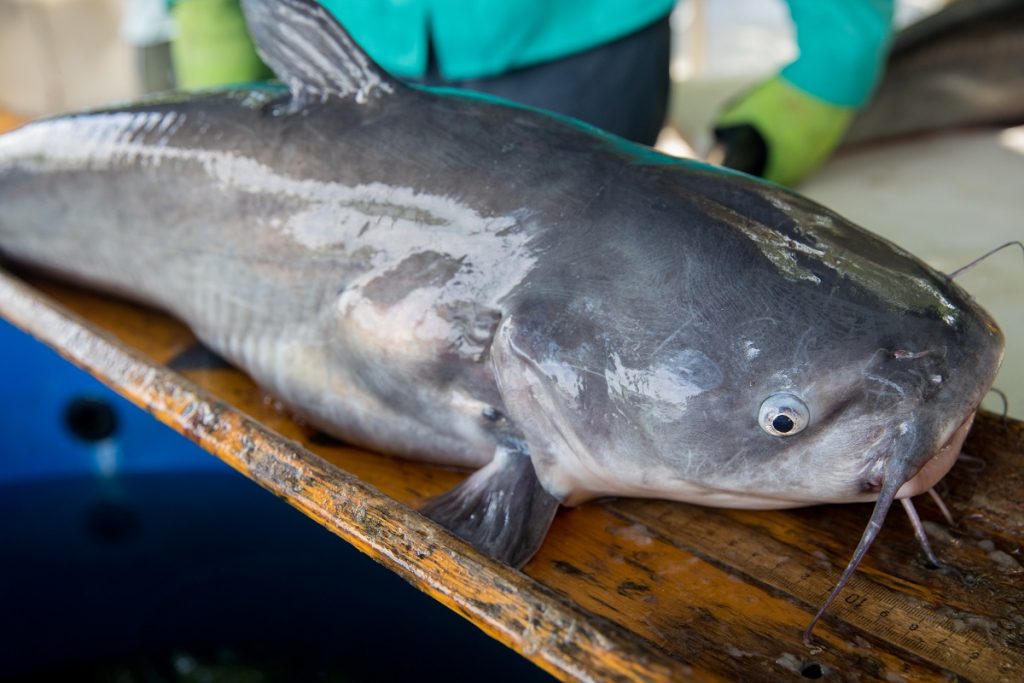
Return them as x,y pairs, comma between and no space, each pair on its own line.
621,590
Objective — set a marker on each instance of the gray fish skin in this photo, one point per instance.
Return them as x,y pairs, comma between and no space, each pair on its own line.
963,66
447,278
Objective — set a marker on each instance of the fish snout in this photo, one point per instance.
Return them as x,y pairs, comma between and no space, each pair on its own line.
938,464
958,382
933,392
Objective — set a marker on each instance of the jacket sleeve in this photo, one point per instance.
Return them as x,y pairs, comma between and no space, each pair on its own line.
802,113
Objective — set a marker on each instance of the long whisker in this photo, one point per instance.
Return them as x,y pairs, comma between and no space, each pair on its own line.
942,506
922,536
1006,407
1002,395
971,463
964,269
882,505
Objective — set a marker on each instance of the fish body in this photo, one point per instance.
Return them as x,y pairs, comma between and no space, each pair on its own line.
481,284
959,67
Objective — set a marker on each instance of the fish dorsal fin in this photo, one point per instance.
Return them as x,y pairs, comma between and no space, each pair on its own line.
310,51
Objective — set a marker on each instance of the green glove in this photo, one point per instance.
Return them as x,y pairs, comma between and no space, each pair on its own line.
212,45
798,130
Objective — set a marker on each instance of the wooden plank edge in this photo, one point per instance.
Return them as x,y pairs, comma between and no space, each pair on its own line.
560,637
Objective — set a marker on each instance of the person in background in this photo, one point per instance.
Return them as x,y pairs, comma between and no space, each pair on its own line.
605,62
601,61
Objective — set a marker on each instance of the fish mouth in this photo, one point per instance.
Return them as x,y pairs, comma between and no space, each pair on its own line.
926,476
939,464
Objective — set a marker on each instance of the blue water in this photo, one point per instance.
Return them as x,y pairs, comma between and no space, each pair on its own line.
134,556
39,387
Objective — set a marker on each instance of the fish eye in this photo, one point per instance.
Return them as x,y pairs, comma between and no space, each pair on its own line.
783,415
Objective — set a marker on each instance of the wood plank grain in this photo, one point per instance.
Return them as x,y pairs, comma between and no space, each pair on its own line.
621,590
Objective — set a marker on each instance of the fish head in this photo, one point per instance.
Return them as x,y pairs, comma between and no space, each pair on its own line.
889,400
747,366
813,363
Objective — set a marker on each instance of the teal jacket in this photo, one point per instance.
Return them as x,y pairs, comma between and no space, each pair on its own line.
842,43
481,38
801,113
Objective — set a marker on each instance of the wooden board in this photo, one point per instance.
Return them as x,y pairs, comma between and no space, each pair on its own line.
622,590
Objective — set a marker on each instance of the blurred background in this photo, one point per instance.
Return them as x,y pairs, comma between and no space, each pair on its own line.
62,55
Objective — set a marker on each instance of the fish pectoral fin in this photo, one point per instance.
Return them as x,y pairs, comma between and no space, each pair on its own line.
502,509
310,51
